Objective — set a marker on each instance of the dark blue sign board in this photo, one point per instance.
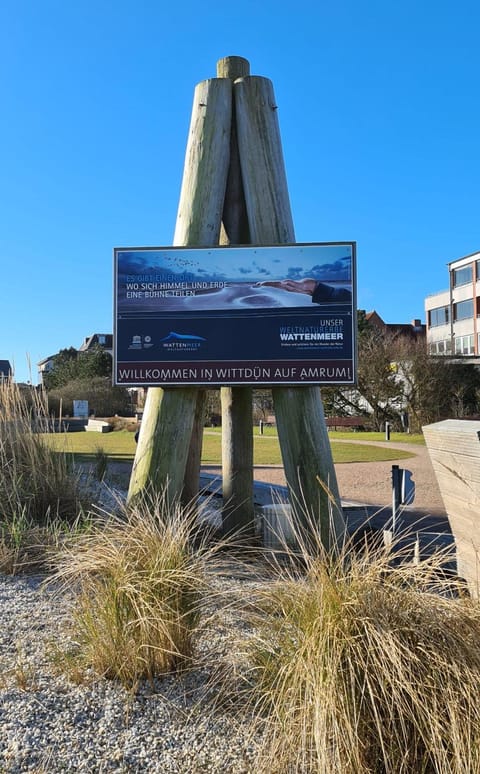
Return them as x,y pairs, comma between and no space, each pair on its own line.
235,315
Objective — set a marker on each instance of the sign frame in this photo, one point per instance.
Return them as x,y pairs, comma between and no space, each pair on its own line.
177,311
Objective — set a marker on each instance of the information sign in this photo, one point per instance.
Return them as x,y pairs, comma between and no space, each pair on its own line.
235,315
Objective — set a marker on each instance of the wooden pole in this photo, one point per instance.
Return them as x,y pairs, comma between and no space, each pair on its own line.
261,158
237,418
303,434
166,444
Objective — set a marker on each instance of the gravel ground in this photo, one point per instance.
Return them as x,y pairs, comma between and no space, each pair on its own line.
51,724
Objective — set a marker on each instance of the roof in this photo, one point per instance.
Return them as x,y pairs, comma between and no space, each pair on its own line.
414,329
5,368
91,341
46,359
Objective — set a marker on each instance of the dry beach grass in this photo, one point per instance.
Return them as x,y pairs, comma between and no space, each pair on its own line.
152,651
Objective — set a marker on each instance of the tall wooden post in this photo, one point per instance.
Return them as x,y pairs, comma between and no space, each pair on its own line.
303,434
237,419
167,443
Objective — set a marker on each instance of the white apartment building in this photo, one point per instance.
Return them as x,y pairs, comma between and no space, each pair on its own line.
453,315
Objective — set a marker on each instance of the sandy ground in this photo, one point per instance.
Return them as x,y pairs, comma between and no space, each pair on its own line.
371,482
368,483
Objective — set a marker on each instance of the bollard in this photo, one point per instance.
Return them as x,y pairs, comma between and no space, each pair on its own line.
260,425
387,431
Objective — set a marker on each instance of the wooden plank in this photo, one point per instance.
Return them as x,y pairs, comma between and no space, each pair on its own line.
464,484
468,567
301,424
454,435
465,467
466,517
166,442
454,449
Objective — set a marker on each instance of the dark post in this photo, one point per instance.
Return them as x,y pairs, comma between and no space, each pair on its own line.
396,495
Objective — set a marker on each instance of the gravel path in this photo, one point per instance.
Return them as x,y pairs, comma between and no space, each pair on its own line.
49,724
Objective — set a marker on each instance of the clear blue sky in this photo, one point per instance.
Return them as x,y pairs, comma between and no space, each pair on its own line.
378,110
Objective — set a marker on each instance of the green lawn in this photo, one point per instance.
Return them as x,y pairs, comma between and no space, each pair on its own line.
121,446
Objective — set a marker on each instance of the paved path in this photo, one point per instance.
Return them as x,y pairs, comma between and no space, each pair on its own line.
371,482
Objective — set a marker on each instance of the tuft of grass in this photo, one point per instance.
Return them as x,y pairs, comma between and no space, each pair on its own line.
35,481
21,673
26,547
140,581
40,495
359,666
101,463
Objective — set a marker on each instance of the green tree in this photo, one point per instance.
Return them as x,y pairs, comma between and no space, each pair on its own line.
378,394
434,387
104,399
71,365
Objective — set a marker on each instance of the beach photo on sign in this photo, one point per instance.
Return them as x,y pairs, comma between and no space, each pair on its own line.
185,279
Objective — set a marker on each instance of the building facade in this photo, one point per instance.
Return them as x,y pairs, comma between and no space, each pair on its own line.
453,315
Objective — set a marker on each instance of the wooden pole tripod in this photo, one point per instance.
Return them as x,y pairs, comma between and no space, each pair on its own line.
234,191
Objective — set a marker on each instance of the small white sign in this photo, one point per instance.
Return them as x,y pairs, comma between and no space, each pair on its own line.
80,409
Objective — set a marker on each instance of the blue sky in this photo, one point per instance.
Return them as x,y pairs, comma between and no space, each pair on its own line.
378,111
238,264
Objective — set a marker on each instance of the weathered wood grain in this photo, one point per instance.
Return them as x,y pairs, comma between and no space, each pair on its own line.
303,433
261,158
207,159
454,449
237,416
237,461
167,446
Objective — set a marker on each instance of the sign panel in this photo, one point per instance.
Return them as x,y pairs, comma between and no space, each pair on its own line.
235,315
80,409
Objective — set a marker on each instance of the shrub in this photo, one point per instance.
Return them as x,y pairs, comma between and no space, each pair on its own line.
140,585
37,484
360,667
103,398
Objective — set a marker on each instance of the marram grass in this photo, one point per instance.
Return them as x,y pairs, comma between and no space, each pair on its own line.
358,667
140,583
40,494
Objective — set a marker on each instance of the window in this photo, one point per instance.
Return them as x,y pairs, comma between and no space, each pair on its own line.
463,310
441,347
101,338
462,276
438,316
464,345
